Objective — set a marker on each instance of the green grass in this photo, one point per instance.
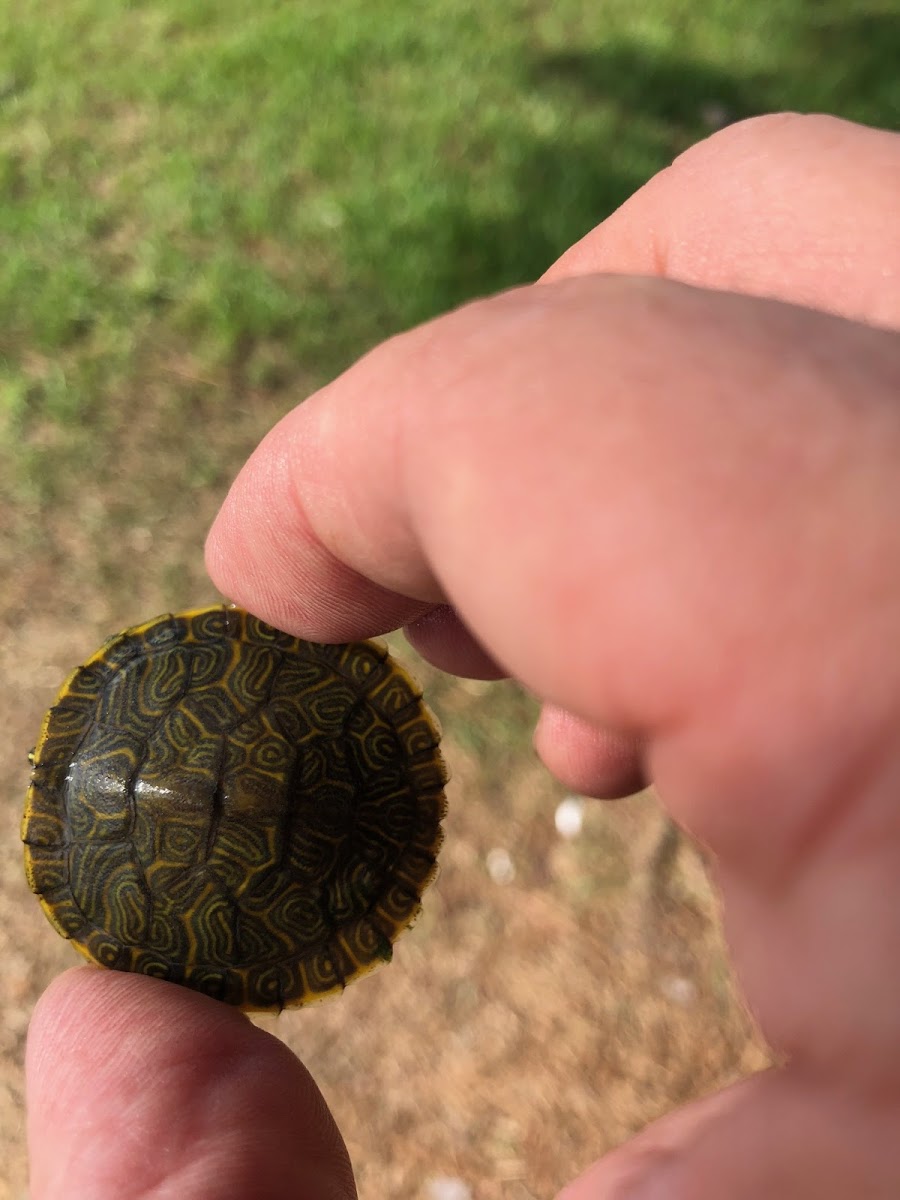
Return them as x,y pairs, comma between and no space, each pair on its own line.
252,193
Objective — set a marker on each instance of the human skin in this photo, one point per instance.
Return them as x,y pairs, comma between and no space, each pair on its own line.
660,489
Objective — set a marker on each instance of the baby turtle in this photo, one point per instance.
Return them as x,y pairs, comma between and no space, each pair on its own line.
220,804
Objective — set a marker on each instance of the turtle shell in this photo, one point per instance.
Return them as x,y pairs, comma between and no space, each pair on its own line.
220,804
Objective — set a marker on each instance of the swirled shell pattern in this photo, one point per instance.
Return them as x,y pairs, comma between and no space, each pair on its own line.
220,804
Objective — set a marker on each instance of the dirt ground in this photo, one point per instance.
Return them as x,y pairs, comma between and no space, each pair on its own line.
555,995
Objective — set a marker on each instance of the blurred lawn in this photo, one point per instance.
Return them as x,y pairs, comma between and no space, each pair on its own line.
248,194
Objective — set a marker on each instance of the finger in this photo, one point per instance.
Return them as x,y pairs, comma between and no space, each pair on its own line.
554,488
441,638
590,761
775,1135
299,581
137,1087
800,208
669,512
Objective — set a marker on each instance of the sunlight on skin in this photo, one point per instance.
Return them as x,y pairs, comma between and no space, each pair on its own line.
723,598
802,209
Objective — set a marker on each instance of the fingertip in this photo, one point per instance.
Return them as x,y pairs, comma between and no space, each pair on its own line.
136,1086
269,548
590,761
299,588
86,1004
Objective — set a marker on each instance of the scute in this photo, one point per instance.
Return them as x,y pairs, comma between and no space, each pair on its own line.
220,804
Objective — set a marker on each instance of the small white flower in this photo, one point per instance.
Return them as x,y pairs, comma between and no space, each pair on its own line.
569,817
500,866
447,1187
679,990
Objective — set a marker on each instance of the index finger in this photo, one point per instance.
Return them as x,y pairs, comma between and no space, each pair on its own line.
565,464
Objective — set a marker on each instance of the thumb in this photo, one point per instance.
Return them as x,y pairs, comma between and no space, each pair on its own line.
138,1088
778,1135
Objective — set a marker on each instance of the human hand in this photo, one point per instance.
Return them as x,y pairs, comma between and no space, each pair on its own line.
670,513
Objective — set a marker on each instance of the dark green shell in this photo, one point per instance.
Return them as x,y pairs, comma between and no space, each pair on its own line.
222,805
